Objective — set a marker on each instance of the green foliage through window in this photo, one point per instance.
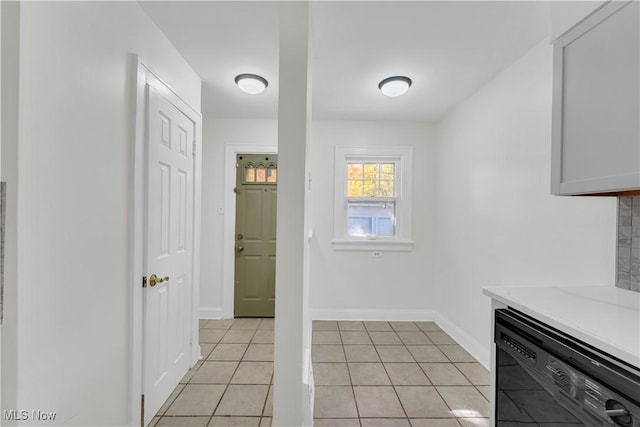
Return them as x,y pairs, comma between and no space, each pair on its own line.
370,179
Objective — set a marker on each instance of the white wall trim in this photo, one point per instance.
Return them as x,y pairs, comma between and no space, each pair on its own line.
137,247
402,157
372,245
469,343
211,313
481,353
143,75
228,251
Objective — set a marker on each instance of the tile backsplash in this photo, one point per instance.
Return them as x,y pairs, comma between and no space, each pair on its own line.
628,274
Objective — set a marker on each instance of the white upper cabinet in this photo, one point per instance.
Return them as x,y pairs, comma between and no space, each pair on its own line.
596,103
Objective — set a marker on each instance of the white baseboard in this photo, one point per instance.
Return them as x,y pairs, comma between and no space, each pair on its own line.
470,344
466,341
373,315
211,313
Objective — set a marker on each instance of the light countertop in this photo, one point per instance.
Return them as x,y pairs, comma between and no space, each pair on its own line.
605,317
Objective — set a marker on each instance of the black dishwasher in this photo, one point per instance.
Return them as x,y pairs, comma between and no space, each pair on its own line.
547,378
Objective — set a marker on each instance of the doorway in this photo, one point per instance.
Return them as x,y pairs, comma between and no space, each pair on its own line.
255,235
228,210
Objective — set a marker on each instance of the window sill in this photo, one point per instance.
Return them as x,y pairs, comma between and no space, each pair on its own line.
369,245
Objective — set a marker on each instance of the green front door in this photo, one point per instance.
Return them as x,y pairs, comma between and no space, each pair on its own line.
255,269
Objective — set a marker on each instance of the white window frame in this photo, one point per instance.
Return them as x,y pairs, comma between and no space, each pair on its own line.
403,159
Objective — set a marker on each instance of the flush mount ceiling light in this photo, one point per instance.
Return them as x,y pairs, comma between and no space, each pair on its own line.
251,83
395,86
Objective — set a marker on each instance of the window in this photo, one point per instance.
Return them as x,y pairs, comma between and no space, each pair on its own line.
371,201
260,174
372,198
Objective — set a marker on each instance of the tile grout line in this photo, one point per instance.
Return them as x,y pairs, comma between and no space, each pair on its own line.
266,399
236,369
346,362
353,390
393,385
436,388
226,385
184,385
375,347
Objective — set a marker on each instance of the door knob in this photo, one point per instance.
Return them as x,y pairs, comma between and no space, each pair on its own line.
153,280
240,248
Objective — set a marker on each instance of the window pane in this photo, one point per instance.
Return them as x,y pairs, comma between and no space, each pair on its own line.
249,174
354,189
354,171
370,188
359,226
370,218
261,174
385,227
371,171
387,171
272,174
370,179
385,189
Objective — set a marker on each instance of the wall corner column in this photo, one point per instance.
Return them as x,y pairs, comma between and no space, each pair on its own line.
292,393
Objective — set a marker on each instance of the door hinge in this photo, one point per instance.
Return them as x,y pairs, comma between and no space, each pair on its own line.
194,148
144,281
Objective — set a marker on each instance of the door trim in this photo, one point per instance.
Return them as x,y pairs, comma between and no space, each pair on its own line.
143,75
229,242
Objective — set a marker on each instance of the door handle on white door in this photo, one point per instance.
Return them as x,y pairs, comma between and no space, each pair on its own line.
153,280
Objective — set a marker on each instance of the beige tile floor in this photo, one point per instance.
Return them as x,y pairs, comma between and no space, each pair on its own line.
391,374
366,374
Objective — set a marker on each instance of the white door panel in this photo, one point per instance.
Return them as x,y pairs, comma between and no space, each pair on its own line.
169,250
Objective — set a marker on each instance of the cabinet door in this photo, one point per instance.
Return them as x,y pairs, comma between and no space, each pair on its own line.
596,105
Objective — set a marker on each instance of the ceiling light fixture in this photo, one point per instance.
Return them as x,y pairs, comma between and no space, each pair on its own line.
395,86
251,83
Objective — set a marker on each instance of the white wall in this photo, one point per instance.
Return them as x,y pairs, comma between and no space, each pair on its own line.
74,208
0,176
566,14
340,280
352,283
497,223
215,135
486,217
9,129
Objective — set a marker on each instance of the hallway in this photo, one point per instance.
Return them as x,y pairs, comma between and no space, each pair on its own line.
366,374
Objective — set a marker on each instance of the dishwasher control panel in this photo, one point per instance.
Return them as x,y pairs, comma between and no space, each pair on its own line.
552,383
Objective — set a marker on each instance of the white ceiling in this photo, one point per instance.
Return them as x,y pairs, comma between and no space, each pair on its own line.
448,48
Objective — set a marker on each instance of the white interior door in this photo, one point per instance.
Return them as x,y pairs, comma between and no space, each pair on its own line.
169,250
